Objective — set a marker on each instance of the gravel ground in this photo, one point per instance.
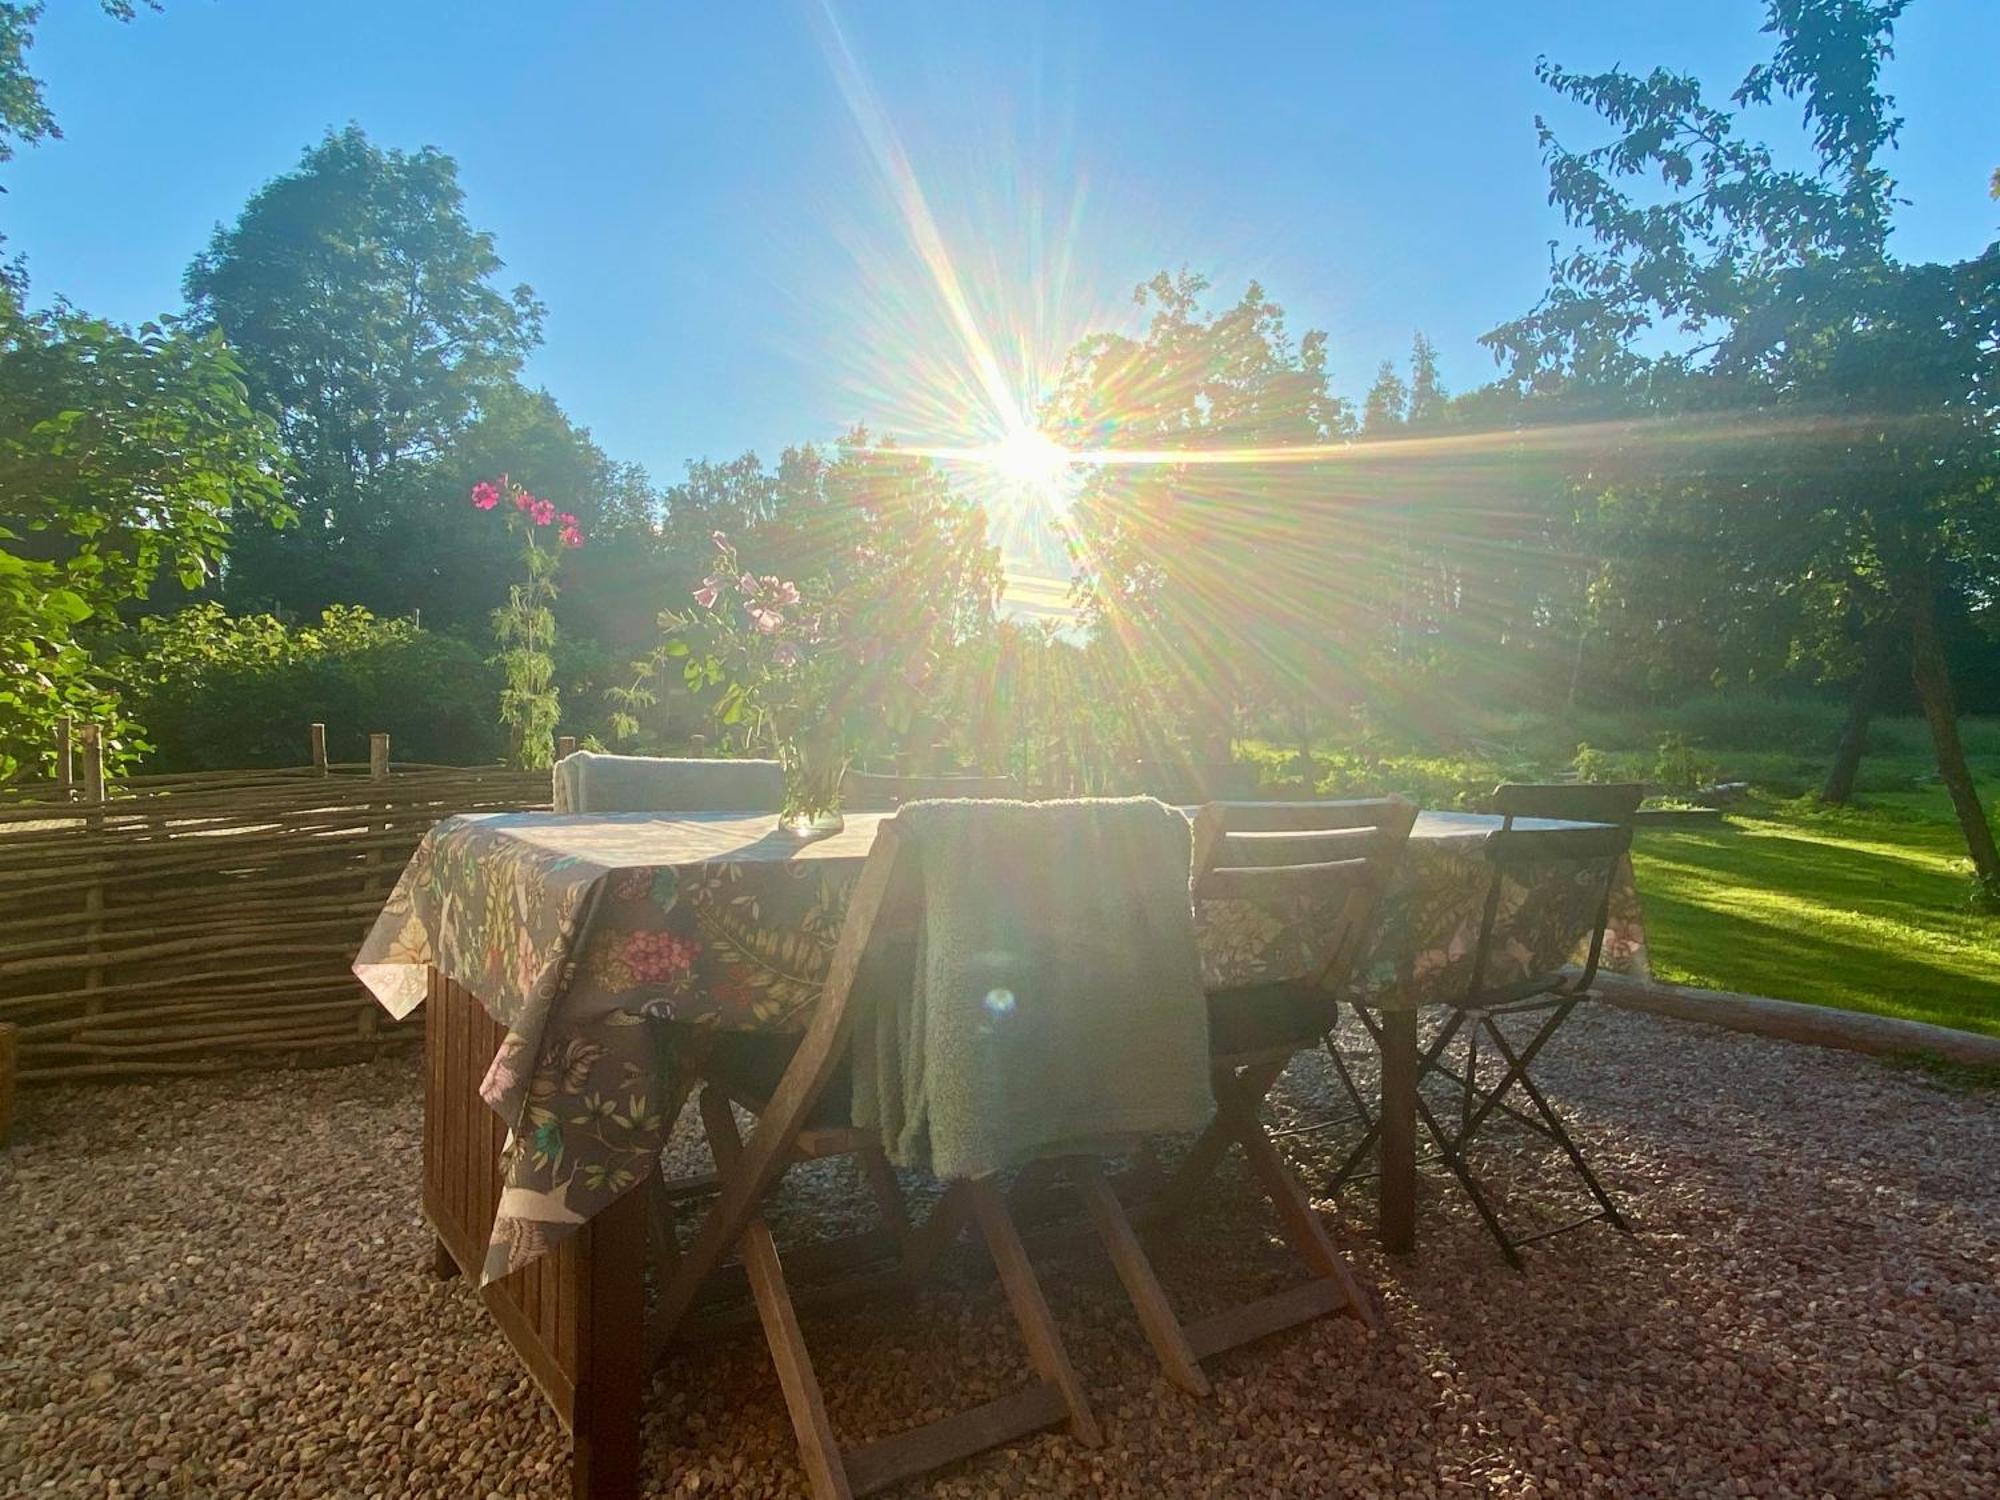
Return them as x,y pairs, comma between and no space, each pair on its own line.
216,1287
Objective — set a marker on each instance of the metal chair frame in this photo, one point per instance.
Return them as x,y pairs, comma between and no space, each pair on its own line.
1482,1008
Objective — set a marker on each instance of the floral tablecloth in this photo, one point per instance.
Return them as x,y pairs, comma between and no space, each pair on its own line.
575,930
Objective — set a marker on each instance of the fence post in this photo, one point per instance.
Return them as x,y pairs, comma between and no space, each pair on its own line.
565,745
697,745
378,772
318,733
65,769
92,737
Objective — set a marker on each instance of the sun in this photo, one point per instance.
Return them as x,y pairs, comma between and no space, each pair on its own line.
1034,461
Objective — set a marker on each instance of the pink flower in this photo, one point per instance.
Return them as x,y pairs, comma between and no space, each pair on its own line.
766,620
485,495
705,596
784,593
543,513
566,518
571,537
525,501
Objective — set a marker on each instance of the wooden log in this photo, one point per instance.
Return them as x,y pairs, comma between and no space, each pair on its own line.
1791,1021
317,735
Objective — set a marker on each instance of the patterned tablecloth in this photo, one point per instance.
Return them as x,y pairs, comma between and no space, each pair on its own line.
575,929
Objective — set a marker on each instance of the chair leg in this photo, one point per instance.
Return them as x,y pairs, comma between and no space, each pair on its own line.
1128,1258
1031,1310
1517,1072
817,1449
1210,1147
888,1195
1346,1077
1449,1147
1237,1097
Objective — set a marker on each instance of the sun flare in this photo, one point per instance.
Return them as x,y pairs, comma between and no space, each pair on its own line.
1033,460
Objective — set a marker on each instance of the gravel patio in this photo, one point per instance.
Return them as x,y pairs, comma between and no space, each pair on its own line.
220,1287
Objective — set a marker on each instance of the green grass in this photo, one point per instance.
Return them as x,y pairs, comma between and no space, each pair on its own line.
1863,909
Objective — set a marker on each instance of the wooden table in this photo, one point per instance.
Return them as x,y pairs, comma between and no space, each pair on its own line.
575,1310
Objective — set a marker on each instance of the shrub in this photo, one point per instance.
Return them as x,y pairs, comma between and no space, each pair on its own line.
219,692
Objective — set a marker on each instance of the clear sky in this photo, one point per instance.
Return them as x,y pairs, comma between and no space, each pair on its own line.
708,197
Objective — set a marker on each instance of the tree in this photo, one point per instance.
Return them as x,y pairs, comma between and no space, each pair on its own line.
1387,403
360,300
24,113
1846,401
1210,571
1427,393
124,455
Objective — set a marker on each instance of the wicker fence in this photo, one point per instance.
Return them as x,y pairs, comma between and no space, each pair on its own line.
196,923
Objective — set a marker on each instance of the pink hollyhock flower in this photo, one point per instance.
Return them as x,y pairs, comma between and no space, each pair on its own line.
566,518
485,495
766,620
706,595
543,513
571,537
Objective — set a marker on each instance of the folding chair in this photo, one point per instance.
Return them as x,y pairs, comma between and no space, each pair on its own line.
801,1111
1512,852
865,791
1310,857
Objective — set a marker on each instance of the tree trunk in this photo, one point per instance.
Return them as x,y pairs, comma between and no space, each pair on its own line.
1868,690
1933,678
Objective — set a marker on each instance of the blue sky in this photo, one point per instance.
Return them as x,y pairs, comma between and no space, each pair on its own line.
690,190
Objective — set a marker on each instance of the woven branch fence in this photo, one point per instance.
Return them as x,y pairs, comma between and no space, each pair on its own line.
197,923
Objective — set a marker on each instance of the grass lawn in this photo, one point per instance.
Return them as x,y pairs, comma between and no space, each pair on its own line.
1864,908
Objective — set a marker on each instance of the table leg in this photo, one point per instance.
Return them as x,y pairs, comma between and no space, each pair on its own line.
1397,1182
604,1439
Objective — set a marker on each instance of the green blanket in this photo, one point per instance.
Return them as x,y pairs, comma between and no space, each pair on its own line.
1056,1005
590,783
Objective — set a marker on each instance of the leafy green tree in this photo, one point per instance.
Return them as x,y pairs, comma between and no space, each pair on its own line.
1384,409
361,302
858,521
1211,573
1844,401
125,456
1428,398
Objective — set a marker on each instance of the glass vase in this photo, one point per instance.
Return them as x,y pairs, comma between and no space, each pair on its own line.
814,770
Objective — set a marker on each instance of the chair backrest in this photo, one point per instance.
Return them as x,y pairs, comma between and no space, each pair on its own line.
1607,811
1570,801
1334,855
592,783
865,791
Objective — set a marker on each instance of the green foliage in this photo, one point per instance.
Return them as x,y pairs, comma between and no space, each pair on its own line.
217,691
1679,767
1591,764
359,298
124,455
878,573
525,626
